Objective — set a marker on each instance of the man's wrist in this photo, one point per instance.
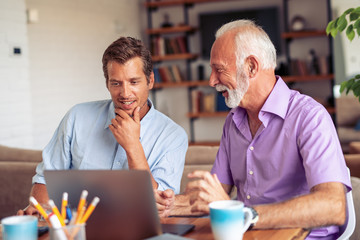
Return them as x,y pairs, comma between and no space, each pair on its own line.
255,218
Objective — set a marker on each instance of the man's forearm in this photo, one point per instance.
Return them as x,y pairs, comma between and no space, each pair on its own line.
137,160
319,208
39,192
182,207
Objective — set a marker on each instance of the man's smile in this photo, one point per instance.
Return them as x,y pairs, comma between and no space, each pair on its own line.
127,102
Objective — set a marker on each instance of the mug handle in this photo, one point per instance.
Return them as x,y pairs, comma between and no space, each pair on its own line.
248,217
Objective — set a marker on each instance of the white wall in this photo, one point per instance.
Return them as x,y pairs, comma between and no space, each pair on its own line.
15,94
66,48
60,61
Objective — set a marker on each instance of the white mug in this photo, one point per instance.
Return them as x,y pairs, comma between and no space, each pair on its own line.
229,219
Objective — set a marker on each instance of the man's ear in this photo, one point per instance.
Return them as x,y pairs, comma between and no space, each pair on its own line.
151,80
253,65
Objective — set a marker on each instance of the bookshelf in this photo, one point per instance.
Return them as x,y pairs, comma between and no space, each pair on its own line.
186,29
298,72
308,78
303,34
181,84
207,114
166,3
165,57
170,57
167,30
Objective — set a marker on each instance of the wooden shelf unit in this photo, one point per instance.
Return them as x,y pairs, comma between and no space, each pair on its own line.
204,143
307,78
303,34
159,85
168,30
207,114
166,3
170,57
290,36
186,29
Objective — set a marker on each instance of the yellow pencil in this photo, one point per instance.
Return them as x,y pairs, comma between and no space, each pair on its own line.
78,219
81,204
64,204
90,209
56,212
40,209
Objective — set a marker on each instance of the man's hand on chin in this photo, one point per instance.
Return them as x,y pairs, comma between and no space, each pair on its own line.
126,129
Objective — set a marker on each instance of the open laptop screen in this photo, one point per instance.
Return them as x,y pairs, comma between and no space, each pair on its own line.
126,210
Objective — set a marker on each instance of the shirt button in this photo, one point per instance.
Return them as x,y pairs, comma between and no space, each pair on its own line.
251,172
248,196
251,148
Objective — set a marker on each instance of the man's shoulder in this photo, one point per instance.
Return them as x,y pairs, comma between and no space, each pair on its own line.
166,122
88,110
91,105
304,104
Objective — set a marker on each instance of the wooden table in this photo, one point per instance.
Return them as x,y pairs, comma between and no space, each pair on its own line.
203,230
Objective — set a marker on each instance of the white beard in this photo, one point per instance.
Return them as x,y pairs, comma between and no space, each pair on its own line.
236,95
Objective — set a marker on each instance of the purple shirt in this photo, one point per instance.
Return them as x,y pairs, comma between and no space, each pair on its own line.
295,148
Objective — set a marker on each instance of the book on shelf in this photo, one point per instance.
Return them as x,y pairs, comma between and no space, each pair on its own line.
161,46
196,96
220,103
203,102
176,73
298,67
209,102
168,74
168,47
164,74
182,43
174,45
157,77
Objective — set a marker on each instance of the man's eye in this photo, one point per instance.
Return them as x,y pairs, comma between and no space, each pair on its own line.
134,82
114,84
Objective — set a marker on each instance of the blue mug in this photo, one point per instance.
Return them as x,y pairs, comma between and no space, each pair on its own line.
19,228
229,219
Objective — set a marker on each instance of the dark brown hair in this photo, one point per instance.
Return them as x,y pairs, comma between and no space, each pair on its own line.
124,49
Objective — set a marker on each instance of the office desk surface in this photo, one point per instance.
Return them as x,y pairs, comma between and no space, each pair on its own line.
203,230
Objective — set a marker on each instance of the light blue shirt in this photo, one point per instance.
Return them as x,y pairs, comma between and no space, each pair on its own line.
83,140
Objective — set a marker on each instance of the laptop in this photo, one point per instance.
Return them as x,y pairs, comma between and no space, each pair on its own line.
127,208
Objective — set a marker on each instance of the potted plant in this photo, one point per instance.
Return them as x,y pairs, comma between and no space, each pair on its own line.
349,21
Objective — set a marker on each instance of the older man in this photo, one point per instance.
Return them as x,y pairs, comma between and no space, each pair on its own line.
279,147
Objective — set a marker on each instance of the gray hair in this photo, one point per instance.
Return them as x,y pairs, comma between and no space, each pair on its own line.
250,39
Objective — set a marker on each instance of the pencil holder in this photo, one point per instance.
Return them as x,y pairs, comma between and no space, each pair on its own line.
68,232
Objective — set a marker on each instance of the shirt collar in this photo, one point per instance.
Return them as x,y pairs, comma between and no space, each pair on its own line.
278,100
146,118
277,103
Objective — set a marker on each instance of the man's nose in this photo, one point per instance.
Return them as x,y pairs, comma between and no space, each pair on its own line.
213,79
125,90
